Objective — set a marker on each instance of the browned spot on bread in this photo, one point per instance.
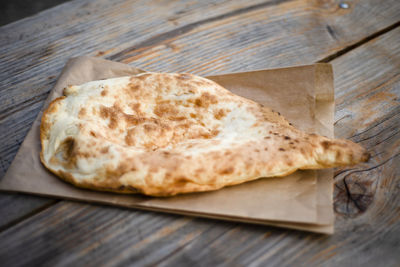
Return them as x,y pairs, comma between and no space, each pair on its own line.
165,109
112,113
267,137
82,112
104,150
132,119
205,135
84,154
205,100
66,175
209,98
148,128
135,107
281,149
287,137
183,125
326,144
133,87
198,102
129,137
67,146
192,115
181,181
220,114
149,145
93,134
214,132
67,151
227,170
104,92
114,173
166,153
177,118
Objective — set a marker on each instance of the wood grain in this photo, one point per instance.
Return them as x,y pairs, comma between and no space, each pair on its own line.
233,36
16,207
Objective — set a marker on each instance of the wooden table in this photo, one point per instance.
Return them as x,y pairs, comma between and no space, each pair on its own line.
361,39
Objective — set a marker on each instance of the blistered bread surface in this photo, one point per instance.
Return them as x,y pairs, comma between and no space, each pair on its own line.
163,134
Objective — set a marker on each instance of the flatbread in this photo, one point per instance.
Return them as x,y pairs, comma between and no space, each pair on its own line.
163,134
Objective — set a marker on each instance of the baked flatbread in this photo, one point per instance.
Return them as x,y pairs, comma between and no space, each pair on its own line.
163,134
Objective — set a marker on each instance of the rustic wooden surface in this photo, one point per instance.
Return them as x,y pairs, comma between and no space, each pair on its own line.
207,37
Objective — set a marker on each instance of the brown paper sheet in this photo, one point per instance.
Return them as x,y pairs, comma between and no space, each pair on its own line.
302,200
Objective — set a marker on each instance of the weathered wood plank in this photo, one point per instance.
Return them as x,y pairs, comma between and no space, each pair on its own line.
372,120
14,207
365,78
291,33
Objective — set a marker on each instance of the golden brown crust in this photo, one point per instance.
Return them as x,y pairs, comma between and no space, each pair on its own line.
167,134
44,125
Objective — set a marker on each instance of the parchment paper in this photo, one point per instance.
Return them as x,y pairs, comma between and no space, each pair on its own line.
302,200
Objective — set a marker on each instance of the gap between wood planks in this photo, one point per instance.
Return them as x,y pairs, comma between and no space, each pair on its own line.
359,43
184,29
29,214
